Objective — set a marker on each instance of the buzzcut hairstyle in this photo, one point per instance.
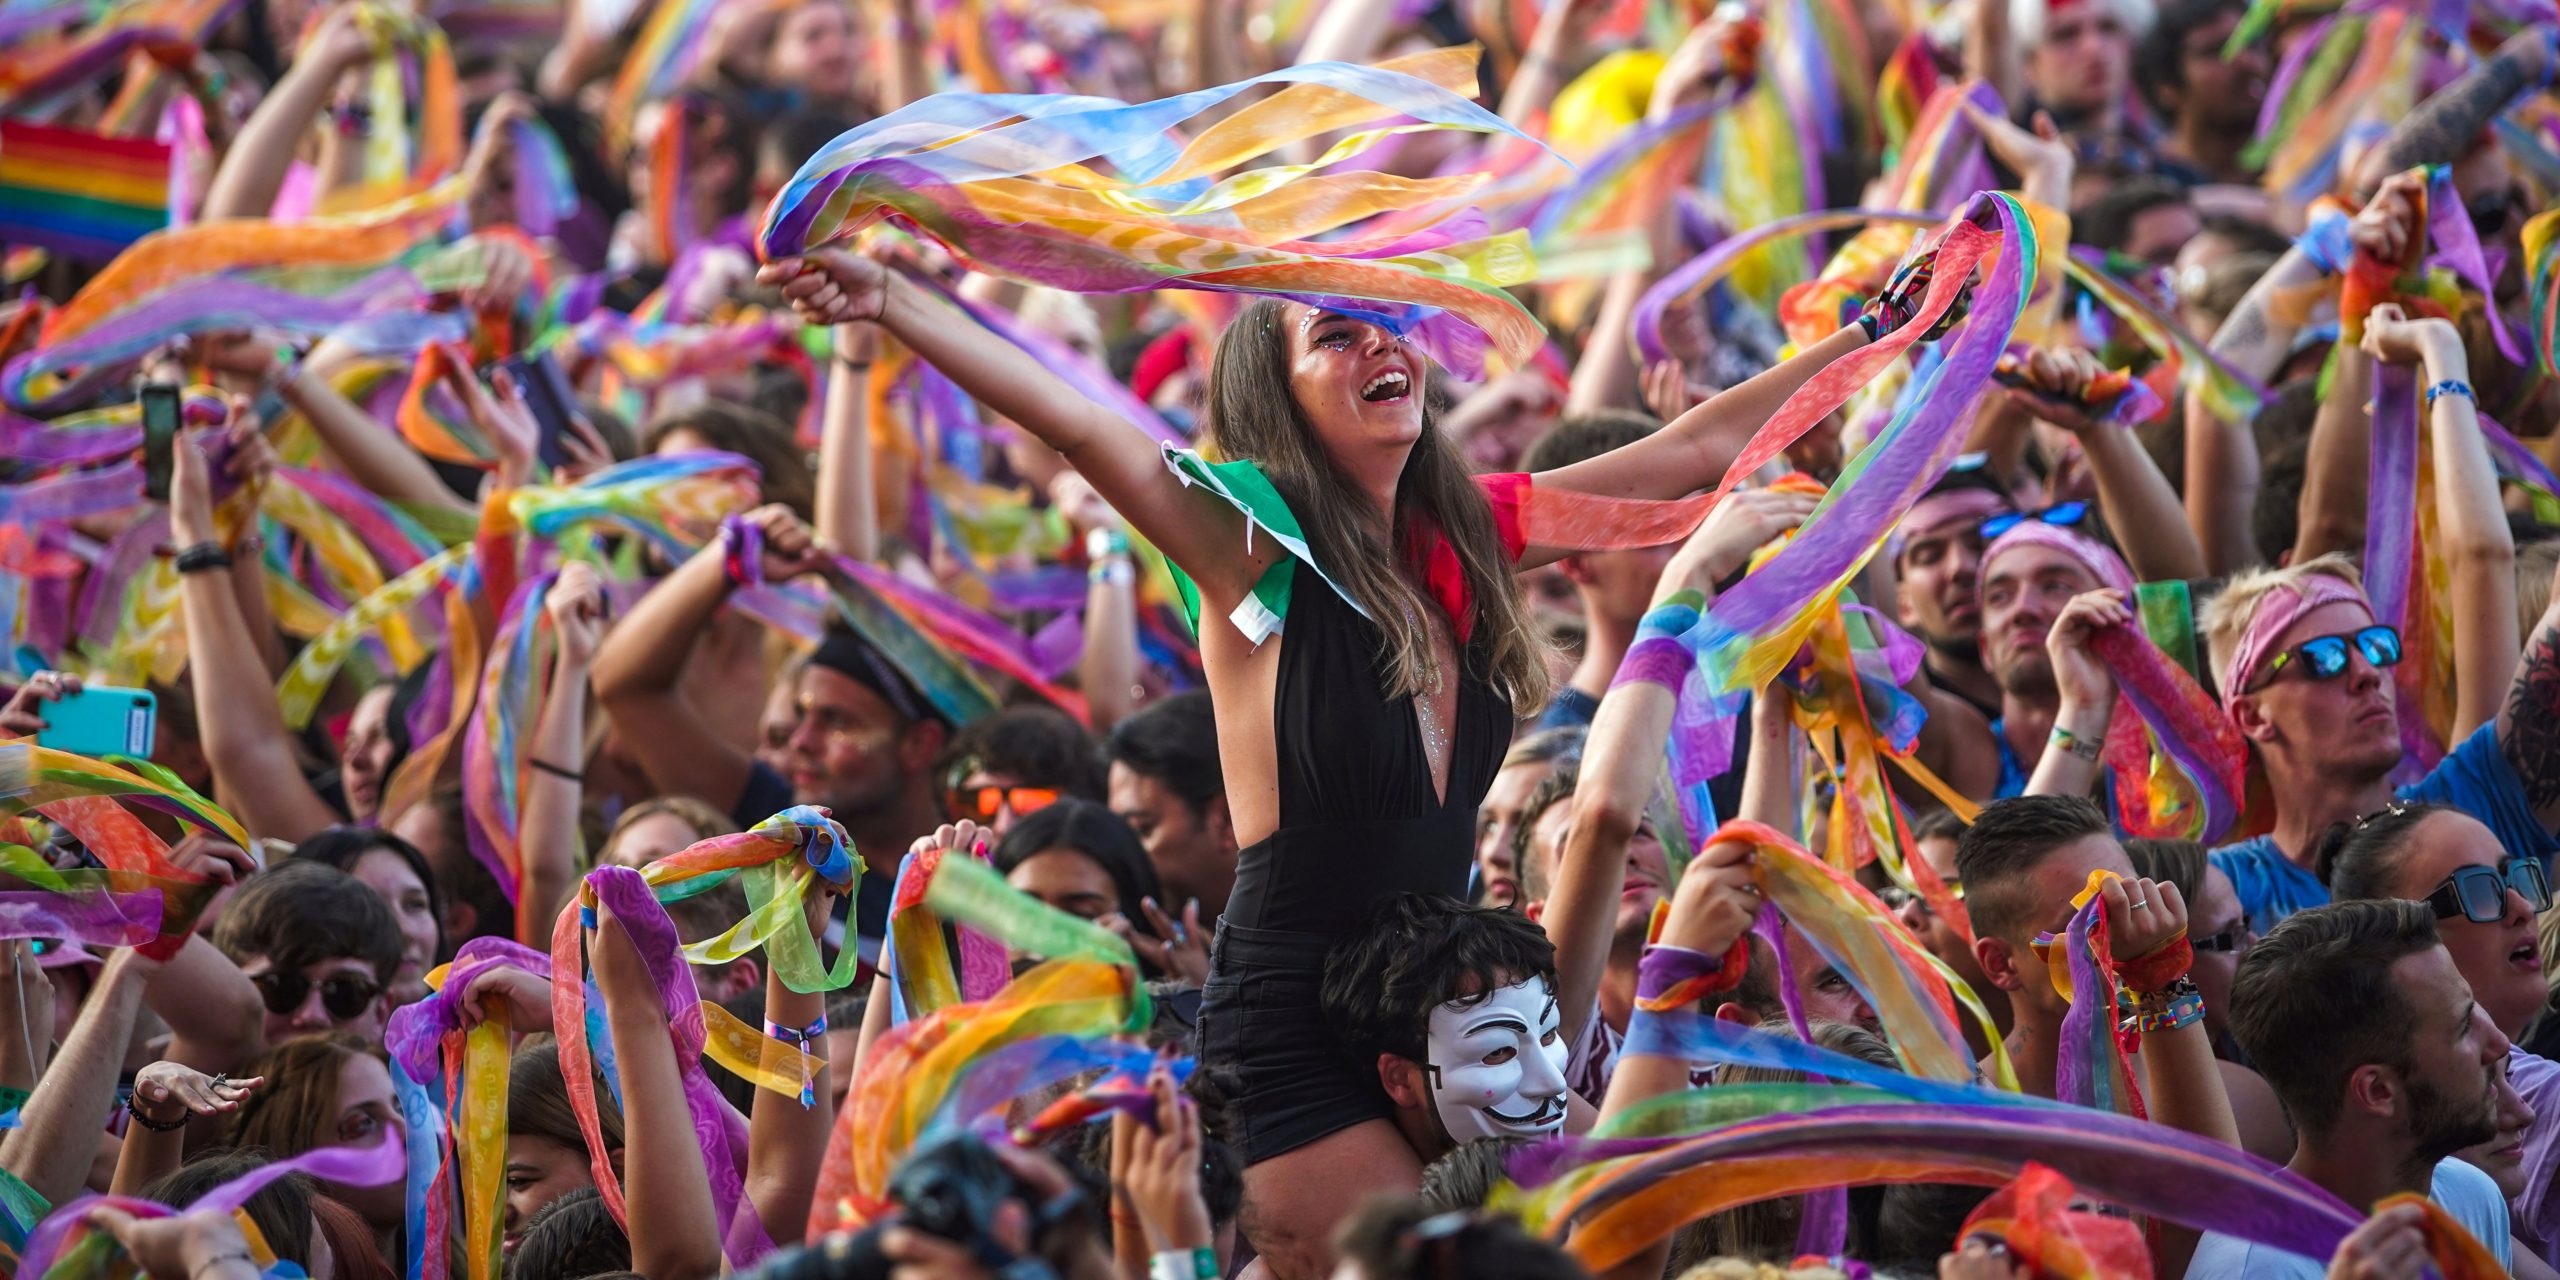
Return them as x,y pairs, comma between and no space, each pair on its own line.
1527,861
1996,855
1035,745
1585,436
2224,620
1174,742
1418,952
302,913
2315,1000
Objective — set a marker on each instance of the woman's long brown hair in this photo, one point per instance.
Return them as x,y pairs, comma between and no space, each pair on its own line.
1251,414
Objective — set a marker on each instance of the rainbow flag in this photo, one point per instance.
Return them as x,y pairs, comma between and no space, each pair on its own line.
83,195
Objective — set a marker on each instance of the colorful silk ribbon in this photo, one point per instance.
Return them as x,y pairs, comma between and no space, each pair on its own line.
1004,182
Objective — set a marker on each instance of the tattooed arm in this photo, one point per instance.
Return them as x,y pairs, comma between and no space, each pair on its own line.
2445,123
2529,727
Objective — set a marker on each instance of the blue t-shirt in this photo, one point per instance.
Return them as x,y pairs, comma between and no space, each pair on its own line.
2474,777
1571,708
2013,774
2460,1190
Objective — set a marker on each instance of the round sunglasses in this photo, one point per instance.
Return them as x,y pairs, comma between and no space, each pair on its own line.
344,995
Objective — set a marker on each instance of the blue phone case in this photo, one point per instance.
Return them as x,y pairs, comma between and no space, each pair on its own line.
101,720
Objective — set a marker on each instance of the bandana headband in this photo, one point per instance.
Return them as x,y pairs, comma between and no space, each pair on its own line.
2276,615
2098,558
1968,504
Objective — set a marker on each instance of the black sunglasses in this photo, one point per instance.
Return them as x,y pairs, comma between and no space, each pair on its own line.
344,995
2325,657
2489,213
2227,940
2061,515
2479,894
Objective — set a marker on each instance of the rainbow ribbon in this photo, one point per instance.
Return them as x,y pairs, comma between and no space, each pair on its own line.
1640,1178
1088,989
440,1049
83,796
909,1073
2032,1214
64,1246
722,1130
923,971
2542,263
1004,182
1754,629
2091,1067
37,64
780,862
2180,765
1914,993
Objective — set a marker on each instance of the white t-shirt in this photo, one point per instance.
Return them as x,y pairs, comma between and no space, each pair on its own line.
2466,1193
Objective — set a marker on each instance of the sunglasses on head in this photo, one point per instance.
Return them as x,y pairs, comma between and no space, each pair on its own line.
2062,515
981,804
2479,894
344,995
2325,657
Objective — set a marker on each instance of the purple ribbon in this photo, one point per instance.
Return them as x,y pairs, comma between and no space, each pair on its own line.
2458,247
720,1129
349,1166
2390,536
103,919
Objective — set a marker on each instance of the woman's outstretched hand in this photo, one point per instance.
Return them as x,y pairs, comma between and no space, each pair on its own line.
830,286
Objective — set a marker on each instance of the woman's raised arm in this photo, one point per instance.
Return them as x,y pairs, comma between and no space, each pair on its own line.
1196,531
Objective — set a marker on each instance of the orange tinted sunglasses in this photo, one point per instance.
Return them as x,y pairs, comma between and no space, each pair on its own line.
981,804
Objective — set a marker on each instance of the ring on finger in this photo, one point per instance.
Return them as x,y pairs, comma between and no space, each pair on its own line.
2140,903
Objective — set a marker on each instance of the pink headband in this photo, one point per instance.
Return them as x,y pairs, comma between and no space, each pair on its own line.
2099,559
1930,513
2277,611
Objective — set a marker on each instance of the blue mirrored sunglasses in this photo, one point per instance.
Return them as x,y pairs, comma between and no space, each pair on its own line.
2061,514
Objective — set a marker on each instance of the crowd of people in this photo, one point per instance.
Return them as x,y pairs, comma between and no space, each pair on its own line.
952,638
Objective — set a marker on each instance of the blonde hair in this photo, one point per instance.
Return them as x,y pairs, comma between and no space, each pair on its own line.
2225,619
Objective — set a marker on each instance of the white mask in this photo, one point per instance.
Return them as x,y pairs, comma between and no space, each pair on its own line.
1496,1065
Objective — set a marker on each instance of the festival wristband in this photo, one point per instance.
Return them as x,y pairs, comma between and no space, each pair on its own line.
800,1037
1184,1264
1671,977
2088,749
2452,387
2159,969
2178,1006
